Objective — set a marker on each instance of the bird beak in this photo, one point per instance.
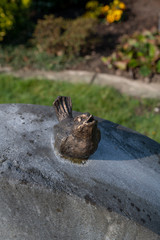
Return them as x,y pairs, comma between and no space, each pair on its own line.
90,119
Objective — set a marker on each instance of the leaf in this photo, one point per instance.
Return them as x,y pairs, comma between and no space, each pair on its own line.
158,66
104,59
139,54
142,60
152,50
145,71
122,65
114,56
133,63
125,46
129,55
133,42
141,38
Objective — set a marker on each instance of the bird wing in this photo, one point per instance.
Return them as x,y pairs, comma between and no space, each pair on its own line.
63,107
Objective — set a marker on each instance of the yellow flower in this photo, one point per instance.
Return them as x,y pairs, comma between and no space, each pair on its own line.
117,17
105,9
110,18
122,5
117,14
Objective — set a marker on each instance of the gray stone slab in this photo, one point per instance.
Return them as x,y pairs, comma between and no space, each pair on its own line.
114,195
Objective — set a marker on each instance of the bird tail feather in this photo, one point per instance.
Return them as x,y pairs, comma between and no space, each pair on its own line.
63,107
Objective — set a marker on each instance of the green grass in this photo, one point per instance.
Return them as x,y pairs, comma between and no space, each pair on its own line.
21,56
104,102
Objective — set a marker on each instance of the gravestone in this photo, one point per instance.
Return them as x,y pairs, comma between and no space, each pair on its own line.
114,195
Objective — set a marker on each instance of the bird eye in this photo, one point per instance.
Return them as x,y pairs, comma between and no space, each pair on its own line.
79,119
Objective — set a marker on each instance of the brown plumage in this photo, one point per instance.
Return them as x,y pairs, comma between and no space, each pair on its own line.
74,137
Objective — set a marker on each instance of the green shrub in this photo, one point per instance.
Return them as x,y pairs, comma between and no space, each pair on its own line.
12,12
21,56
141,51
58,36
48,34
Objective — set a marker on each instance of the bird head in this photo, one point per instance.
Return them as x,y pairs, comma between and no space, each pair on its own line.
85,126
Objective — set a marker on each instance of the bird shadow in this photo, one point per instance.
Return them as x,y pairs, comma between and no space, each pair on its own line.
120,143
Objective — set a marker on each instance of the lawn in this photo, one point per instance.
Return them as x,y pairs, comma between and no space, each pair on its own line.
104,102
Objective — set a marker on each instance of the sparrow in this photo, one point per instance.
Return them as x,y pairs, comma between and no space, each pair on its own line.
77,137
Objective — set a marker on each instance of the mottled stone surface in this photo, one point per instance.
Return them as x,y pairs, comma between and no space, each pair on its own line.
114,195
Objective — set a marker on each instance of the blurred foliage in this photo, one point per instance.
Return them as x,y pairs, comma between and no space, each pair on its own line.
141,51
93,9
58,36
111,13
13,15
21,56
18,17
